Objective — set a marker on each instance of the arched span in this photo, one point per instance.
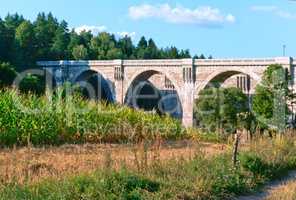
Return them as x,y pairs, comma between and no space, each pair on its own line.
220,76
152,72
148,93
95,86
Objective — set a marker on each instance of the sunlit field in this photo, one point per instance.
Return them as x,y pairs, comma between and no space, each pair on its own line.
87,114
181,170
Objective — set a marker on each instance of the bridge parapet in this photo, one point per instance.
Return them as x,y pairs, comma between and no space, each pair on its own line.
175,62
62,63
130,63
243,61
155,62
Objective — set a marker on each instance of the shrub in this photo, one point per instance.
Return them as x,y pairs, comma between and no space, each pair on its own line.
7,74
32,83
254,164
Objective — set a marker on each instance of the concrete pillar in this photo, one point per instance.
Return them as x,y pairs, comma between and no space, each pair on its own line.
118,81
187,93
187,99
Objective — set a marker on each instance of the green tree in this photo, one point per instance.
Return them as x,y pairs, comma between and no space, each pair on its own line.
3,41
224,110
61,42
202,56
142,52
127,47
25,45
221,109
152,50
45,28
270,99
80,52
7,75
142,43
13,21
172,53
185,54
105,47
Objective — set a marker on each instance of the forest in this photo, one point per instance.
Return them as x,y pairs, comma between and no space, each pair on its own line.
23,42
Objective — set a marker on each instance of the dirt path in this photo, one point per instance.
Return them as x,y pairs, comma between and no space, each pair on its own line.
272,186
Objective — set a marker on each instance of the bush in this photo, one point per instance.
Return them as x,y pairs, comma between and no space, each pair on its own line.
32,84
7,75
254,164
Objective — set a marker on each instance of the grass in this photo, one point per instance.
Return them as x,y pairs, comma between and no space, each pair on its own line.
139,169
284,192
29,119
198,177
31,164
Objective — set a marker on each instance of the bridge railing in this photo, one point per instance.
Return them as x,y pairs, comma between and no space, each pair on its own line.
174,62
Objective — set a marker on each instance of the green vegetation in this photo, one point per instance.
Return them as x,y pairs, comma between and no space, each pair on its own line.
23,42
226,110
70,119
270,99
7,75
221,109
58,118
198,178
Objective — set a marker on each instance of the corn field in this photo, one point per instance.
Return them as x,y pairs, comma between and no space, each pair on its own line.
54,119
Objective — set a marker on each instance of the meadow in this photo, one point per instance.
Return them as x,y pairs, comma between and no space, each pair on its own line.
147,173
65,147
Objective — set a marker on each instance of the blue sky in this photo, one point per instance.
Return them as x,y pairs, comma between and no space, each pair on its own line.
222,28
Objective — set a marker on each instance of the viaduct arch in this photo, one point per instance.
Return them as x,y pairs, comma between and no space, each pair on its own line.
184,78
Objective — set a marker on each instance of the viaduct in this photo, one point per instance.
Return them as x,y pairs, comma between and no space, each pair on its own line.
178,81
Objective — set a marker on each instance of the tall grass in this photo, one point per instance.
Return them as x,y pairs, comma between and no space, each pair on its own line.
199,178
56,119
287,191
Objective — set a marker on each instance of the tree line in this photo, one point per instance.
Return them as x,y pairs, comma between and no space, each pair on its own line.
23,42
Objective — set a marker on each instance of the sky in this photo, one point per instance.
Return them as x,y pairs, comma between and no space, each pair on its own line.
221,28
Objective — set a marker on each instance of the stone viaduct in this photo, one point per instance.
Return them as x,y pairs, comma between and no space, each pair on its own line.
184,78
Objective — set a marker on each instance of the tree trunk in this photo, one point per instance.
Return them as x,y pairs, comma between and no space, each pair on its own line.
235,149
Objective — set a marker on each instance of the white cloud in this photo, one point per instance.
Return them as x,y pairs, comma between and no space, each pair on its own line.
95,30
125,33
275,11
204,15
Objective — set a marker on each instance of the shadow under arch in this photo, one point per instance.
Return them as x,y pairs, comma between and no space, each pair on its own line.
94,86
217,78
142,93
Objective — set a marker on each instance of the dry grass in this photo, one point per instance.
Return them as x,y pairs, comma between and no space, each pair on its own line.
284,192
23,165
